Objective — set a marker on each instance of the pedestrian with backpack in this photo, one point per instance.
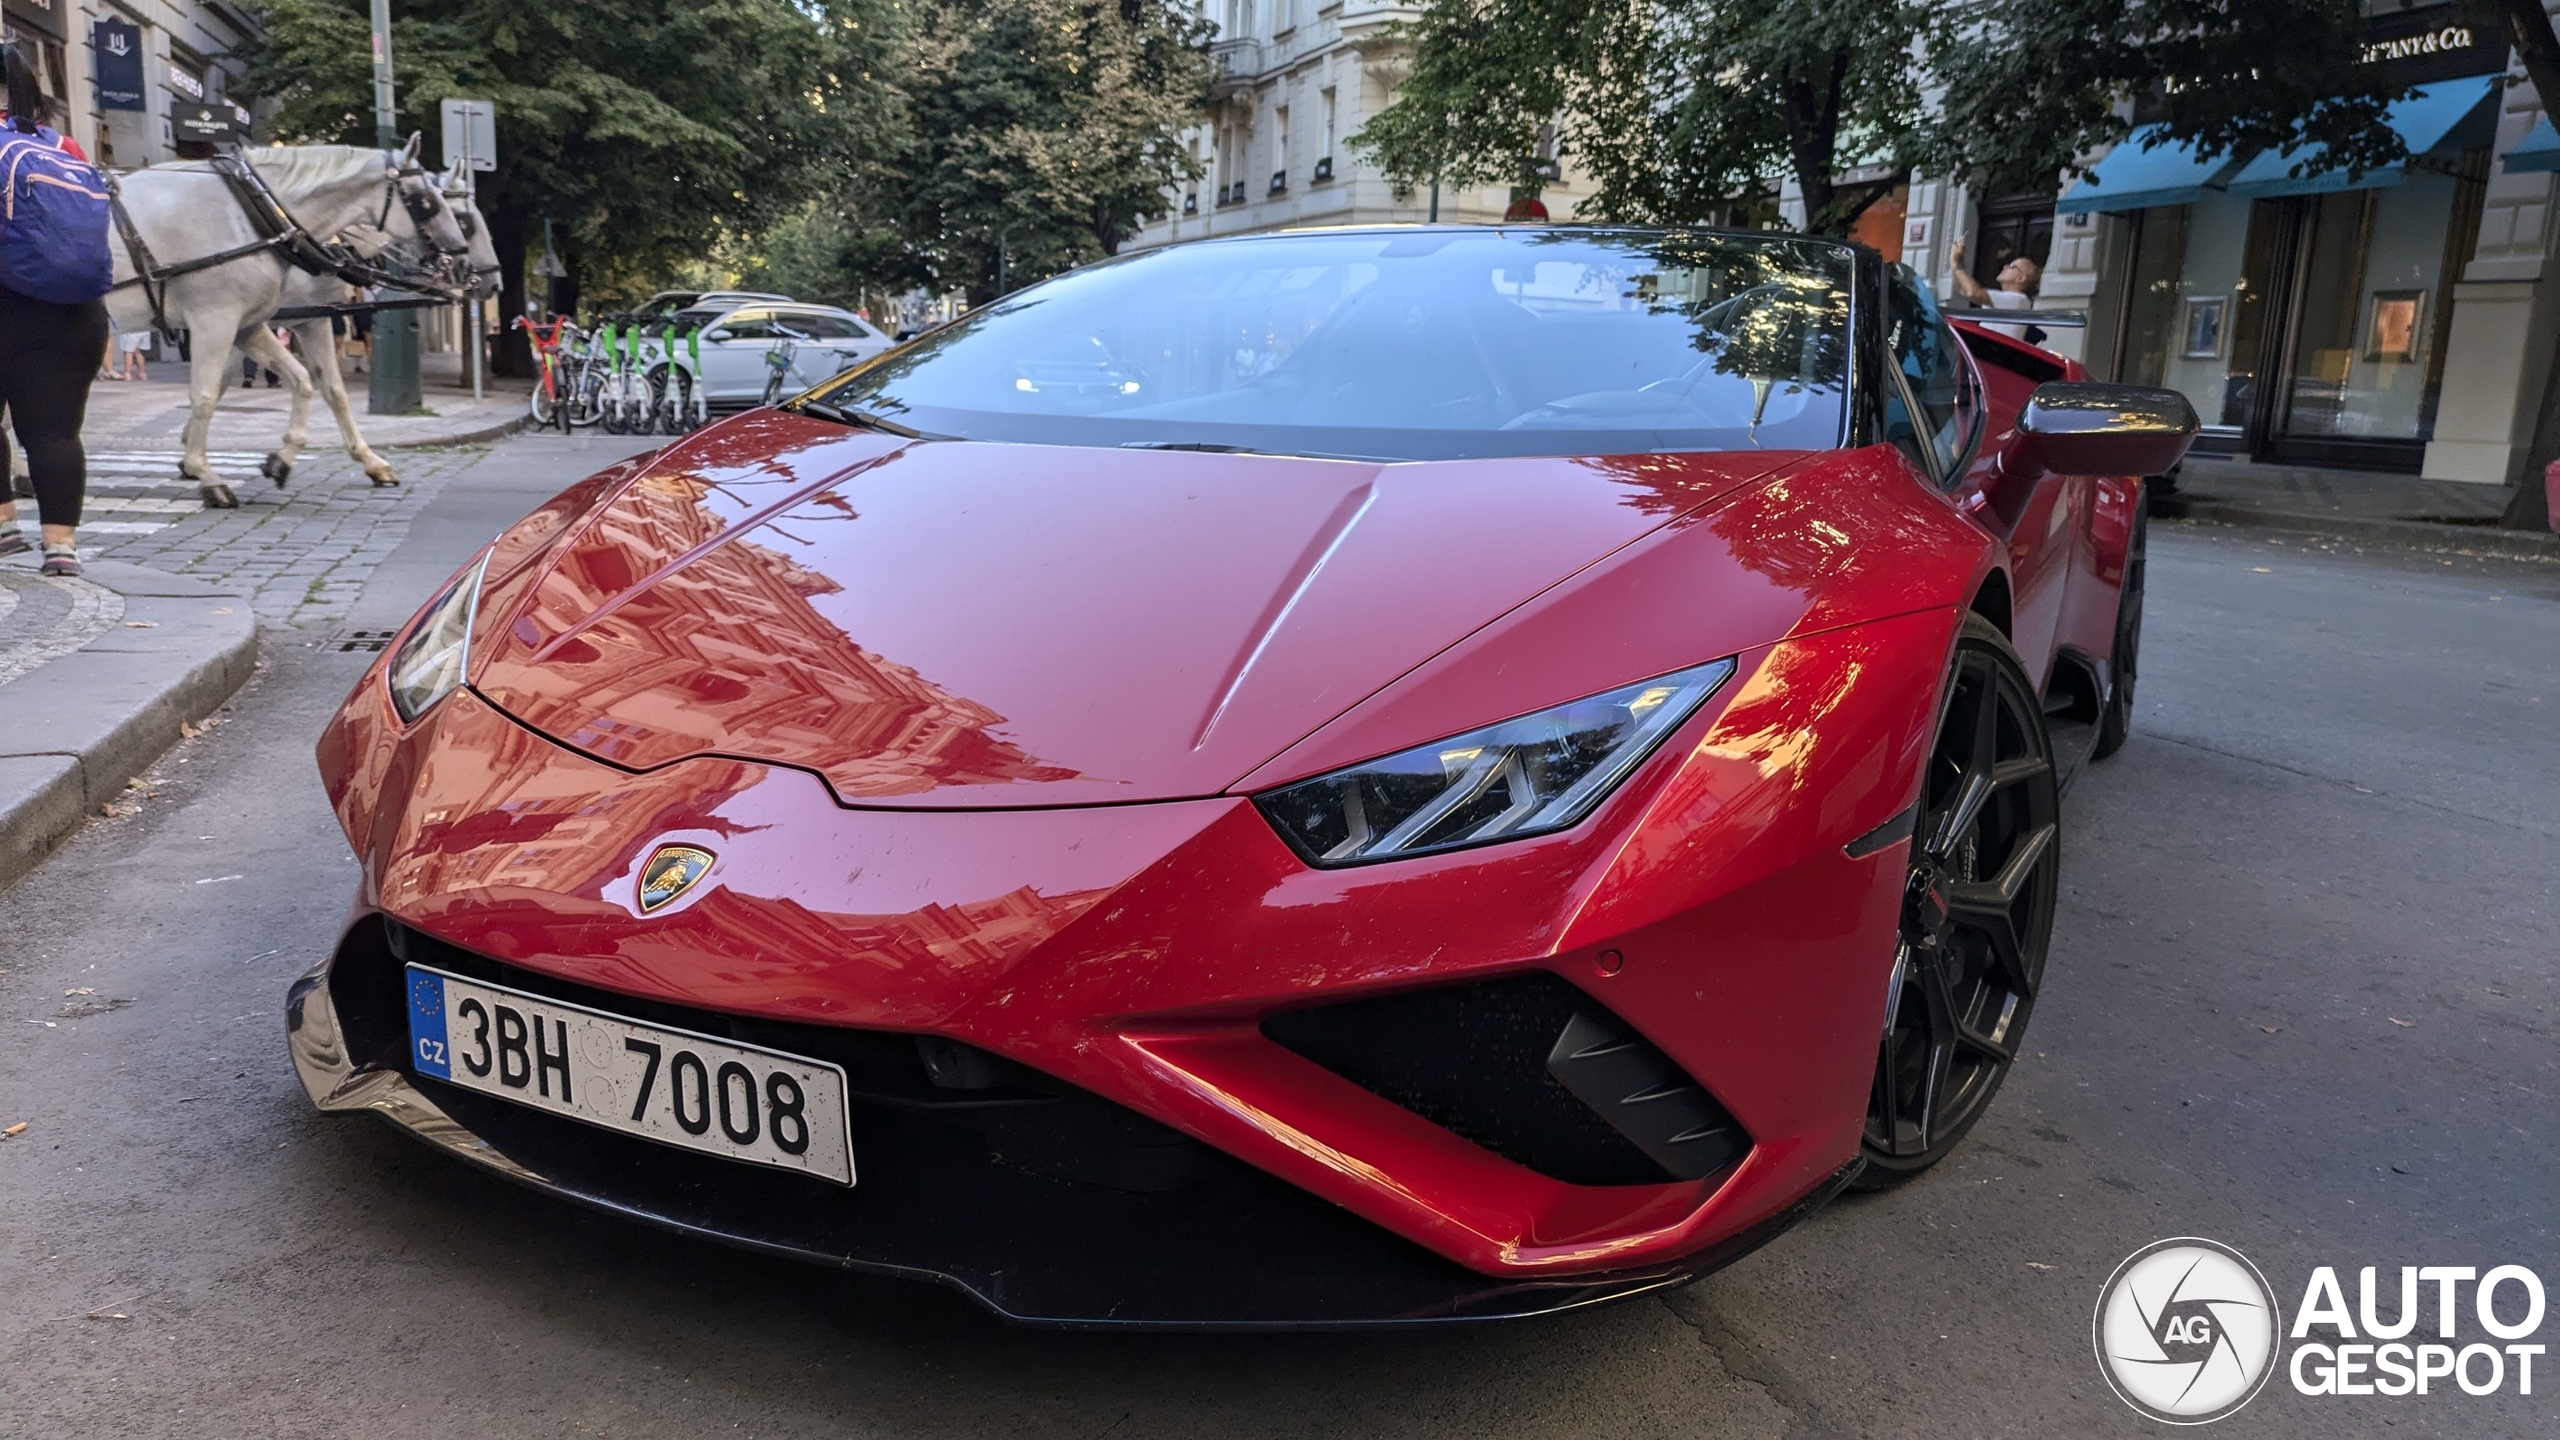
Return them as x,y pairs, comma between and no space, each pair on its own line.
54,270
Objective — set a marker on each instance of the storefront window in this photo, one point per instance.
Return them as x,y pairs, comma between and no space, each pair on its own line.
2192,319
2345,298
2368,344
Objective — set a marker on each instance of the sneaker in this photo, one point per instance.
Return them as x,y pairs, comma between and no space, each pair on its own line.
13,541
61,560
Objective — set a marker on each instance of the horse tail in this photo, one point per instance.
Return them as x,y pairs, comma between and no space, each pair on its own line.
26,94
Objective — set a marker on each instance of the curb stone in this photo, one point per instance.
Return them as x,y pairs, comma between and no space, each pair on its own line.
75,729
483,435
2413,534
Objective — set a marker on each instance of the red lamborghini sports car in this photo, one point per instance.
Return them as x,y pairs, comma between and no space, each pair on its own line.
1325,778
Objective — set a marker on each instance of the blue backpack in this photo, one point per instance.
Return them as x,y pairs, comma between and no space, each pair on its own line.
53,220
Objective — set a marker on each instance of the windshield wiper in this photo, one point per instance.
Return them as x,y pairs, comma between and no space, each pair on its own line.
848,415
1212,447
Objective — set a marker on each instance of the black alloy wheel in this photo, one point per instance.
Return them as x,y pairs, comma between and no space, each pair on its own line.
1977,912
2116,721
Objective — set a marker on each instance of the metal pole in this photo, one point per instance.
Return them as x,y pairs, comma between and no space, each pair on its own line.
392,385
386,119
1435,187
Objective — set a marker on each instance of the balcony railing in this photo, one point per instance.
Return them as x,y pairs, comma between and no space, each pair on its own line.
1238,62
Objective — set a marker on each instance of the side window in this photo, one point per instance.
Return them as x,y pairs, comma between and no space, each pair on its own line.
823,327
1940,418
748,324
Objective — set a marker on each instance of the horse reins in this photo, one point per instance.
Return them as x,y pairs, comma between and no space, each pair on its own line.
278,232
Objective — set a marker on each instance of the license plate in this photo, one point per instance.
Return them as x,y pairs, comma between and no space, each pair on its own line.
739,1102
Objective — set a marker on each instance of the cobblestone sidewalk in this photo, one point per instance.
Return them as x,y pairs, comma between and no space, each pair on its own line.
301,553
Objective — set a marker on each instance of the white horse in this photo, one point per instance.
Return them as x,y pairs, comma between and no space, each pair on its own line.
399,244
186,213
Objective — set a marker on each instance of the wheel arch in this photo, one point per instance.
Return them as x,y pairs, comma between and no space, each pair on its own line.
1991,600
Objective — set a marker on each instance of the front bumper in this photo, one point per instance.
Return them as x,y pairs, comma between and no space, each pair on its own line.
1140,959
1119,1224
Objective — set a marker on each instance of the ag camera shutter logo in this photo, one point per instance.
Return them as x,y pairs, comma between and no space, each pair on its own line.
2186,1330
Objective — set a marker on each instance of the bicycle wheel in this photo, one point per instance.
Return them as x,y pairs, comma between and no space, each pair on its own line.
543,405
585,407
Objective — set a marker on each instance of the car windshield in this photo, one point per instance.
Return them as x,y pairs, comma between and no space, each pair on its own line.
1398,345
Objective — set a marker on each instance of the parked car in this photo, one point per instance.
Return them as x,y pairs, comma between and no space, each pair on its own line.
1380,775
736,343
668,302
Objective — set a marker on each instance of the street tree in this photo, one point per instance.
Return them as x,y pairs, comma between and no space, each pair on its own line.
1042,134
1678,110
642,130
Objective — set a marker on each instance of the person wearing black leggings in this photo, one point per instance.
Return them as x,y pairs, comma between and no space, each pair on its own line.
48,355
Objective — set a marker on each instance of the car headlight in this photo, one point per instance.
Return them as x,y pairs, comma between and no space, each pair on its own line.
1531,776
430,664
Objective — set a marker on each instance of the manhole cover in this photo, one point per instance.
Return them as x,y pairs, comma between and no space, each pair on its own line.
366,641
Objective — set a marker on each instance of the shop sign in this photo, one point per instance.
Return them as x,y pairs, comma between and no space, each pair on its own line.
205,124
2409,47
2440,43
42,15
186,84
118,47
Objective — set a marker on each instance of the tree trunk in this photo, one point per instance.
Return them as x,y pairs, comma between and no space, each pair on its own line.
2529,30
507,223
1813,136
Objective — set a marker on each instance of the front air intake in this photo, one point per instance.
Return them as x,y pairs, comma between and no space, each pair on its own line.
1530,1068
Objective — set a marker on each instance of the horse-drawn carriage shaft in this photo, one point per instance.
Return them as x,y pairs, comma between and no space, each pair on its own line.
212,265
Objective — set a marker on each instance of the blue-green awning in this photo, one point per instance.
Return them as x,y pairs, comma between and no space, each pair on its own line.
2131,177
2537,151
2426,122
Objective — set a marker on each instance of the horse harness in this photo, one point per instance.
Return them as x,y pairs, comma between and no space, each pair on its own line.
278,232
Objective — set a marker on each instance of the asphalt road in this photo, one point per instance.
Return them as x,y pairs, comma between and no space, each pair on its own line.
2301,1001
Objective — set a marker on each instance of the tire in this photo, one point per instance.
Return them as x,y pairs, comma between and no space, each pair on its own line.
543,407
675,400
1977,918
586,394
2115,723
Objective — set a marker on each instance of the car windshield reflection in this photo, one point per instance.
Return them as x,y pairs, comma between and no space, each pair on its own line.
1400,345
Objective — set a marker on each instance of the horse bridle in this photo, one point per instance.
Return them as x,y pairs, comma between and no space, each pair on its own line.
279,231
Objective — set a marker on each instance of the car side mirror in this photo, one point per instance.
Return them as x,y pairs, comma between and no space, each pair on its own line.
715,335
2083,428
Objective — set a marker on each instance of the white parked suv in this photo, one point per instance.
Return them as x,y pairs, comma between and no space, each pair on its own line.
819,340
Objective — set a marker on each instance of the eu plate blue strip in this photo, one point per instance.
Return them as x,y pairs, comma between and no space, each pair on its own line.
426,1025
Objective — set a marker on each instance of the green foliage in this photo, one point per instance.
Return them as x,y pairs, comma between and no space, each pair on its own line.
642,129
804,256
1042,134
1679,111
2033,84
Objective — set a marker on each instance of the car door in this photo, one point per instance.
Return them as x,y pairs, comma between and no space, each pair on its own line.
834,341
733,356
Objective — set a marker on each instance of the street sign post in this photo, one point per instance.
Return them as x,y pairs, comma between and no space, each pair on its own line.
393,389
470,147
470,135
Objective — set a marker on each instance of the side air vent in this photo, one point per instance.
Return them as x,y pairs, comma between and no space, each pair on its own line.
1530,1068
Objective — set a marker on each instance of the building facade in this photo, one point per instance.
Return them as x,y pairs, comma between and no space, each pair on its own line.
1297,79
2402,320
135,75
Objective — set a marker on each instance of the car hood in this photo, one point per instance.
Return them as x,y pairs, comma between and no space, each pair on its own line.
949,624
